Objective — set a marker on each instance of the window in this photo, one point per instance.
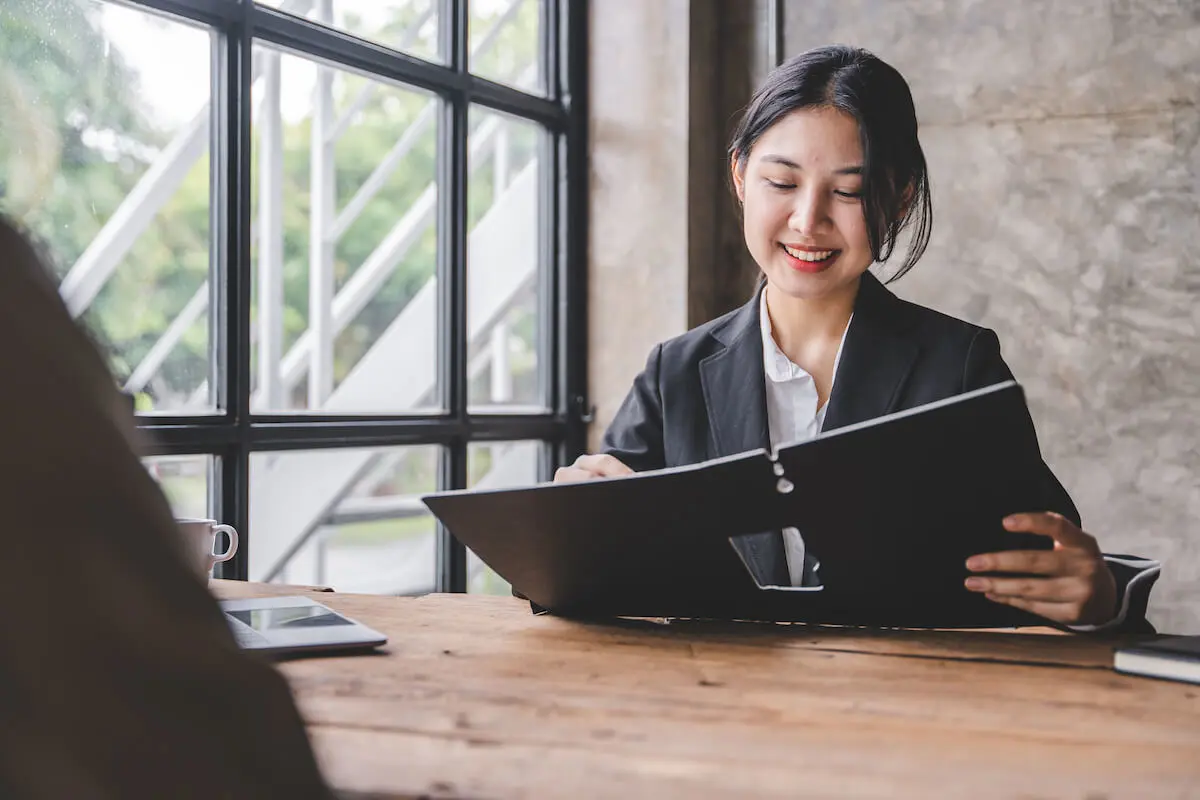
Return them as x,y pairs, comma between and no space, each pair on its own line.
327,245
499,465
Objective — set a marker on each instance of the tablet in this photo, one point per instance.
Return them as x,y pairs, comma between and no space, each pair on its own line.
295,624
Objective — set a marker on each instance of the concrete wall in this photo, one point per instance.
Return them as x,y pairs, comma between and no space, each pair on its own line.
666,252
1064,142
638,227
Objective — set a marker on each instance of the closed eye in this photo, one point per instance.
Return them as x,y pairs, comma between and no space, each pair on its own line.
849,195
780,186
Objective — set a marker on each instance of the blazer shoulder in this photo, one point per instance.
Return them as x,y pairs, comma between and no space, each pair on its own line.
933,326
703,340
968,353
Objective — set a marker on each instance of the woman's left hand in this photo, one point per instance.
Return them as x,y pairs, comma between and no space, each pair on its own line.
1073,585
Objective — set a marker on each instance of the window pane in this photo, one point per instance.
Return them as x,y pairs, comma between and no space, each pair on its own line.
185,480
502,264
348,325
351,519
496,465
506,42
410,26
104,156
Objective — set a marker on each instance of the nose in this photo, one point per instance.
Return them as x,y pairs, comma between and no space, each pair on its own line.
809,214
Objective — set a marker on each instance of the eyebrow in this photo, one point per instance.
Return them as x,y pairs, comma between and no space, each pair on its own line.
787,162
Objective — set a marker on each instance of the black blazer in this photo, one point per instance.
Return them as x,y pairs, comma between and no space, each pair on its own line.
702,395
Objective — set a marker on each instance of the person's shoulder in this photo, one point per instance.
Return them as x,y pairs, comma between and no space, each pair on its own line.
939,321
710,337
932,325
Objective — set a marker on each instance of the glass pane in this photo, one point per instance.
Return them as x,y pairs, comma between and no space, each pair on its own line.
410,26
502,264
506,42
185,480
496,465
104,156
348,325
351,519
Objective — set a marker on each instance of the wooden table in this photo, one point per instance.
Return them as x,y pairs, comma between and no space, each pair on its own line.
476,697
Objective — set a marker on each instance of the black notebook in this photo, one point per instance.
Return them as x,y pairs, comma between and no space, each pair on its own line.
1175,658
889,509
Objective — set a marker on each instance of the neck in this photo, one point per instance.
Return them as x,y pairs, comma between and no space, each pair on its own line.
799,323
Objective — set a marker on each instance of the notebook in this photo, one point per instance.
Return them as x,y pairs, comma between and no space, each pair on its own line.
890,508
1175,658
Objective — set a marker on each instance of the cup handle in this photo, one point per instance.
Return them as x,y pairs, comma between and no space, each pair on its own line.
217,558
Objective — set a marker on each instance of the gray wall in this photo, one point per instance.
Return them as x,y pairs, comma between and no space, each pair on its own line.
1064,144
665,246
638,217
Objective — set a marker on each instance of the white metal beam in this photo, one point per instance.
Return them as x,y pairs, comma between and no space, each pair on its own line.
358,290
322,199
153,361
294,493
92,270
158,185
270,236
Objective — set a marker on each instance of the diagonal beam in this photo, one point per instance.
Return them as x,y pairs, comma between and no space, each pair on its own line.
91,271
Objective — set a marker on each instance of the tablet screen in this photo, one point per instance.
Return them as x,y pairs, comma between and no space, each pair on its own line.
289,618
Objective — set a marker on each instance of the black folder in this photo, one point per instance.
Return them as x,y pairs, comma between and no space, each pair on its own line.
890,508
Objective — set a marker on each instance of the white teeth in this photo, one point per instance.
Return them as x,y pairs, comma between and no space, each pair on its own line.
804,255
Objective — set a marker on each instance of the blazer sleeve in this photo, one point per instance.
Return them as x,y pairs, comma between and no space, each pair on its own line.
1134,576
635,435
986,367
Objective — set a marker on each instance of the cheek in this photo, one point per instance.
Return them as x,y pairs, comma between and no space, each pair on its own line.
853,226
763,215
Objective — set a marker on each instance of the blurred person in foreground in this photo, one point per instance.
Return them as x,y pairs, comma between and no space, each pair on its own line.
119,677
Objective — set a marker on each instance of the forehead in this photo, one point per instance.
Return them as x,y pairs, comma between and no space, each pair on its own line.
815,138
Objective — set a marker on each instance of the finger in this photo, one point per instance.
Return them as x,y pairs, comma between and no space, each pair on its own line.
1037,562
1058,612
1052,590
1056,526
602,464
573,475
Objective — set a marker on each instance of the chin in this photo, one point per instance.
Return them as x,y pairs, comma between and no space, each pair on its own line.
811,286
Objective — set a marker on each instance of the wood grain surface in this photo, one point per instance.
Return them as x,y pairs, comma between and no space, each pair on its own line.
476,697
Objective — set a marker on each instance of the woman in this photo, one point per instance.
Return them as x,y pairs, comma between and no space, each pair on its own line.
829,172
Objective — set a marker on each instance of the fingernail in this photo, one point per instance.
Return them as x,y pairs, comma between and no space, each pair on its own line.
976,583
1012,522
976,562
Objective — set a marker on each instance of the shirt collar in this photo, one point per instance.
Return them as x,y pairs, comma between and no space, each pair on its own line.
776,365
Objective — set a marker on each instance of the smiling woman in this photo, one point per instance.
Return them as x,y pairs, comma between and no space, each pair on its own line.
801,195
829,170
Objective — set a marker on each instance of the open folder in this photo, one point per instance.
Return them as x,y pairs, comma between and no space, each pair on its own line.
890,509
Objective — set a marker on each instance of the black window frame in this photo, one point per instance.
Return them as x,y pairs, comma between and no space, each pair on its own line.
232,434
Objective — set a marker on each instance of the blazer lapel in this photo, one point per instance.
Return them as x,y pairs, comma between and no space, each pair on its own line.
732,380
876,358
875,362
736,400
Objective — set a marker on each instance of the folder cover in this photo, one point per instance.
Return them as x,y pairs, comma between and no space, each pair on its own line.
890,508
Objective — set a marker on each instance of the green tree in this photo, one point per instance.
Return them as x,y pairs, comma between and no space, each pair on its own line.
78,134
76,143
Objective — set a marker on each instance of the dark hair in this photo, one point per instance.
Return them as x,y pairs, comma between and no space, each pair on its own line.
853,80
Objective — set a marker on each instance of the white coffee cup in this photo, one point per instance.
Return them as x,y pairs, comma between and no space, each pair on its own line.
200,542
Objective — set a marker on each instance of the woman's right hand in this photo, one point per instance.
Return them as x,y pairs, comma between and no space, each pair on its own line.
590,467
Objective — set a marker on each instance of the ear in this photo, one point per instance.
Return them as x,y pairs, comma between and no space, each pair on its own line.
739,179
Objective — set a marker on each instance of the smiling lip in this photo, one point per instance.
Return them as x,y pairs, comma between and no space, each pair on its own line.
801,257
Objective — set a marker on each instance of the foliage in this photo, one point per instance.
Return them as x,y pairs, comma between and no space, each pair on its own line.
79,132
